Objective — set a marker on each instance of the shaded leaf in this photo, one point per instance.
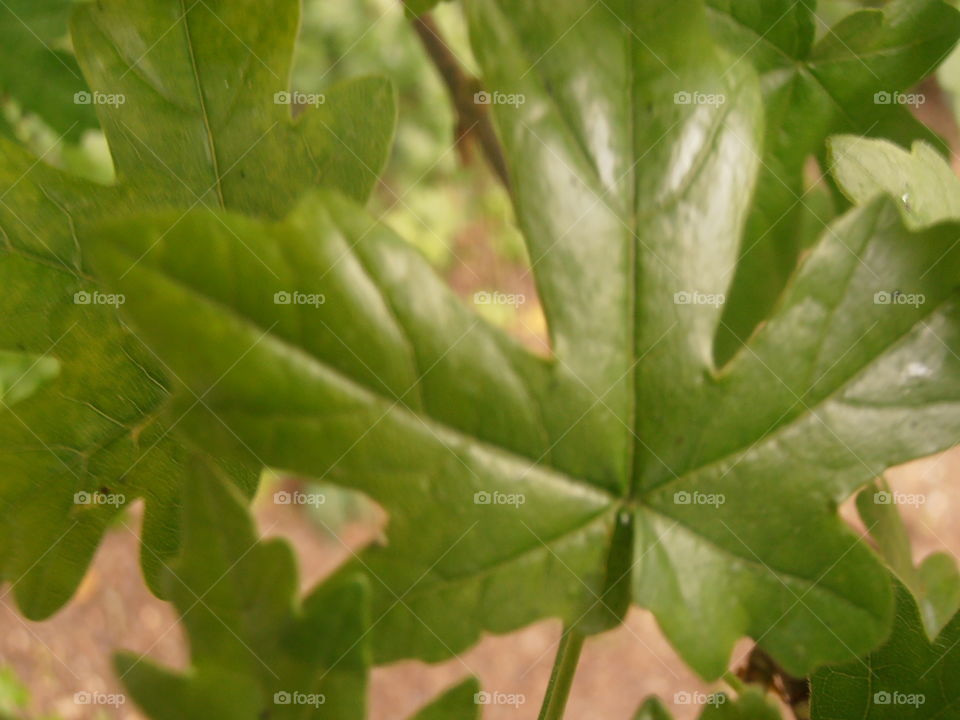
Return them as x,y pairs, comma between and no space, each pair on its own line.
908,677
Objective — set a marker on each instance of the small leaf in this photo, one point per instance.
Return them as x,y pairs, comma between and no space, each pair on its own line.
909,677
935,584
921,181
254,649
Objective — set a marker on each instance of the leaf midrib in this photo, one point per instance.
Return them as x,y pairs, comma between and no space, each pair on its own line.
358,389
211,142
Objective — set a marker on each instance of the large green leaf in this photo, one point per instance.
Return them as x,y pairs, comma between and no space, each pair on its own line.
849,81
255,651
935,583
909,677
36,68
626,466
198,127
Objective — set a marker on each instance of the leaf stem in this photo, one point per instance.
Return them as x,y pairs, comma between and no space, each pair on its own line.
564,668
473,119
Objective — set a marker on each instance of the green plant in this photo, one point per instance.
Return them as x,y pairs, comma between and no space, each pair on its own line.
675,451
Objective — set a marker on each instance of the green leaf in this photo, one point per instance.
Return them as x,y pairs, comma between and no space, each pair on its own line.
249,641
909,676
922,181
457,703
850,81
751,704
653,709
186,98
38,71
255,651
626,467
21,375
935,583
